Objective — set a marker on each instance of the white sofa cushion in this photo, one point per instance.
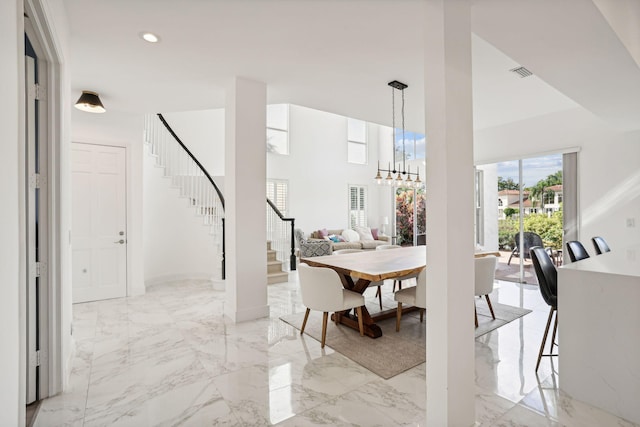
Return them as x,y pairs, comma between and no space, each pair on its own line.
350,236
364,233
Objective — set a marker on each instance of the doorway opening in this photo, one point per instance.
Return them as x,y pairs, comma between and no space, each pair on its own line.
520,205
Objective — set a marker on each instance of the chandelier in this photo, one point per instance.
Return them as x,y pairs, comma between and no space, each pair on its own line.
404,178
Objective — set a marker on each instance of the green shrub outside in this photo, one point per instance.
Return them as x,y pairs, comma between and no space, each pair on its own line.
507,228
548,228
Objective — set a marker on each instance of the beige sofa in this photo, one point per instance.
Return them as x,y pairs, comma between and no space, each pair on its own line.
360,244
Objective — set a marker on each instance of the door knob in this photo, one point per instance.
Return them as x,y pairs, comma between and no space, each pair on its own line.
121,241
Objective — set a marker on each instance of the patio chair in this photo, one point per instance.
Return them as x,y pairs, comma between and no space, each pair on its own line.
529,240
322,290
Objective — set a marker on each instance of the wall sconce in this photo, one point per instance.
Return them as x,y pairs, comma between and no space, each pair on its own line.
90,102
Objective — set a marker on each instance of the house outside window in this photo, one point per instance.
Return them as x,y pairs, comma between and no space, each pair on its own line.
356,141
278,193
357,206
549,198
278,129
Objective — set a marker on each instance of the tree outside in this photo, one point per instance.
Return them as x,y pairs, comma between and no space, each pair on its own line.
404,214
538,191
507,184
549,228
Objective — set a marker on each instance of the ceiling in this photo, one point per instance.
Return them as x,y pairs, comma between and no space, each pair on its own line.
339,55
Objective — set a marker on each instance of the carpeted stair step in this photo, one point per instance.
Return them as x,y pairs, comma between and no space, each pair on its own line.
280,277
274,267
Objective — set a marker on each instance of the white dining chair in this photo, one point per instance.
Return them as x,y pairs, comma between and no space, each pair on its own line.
414,295
322,290
485,277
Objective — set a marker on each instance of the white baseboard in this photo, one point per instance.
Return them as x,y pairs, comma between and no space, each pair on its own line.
178,277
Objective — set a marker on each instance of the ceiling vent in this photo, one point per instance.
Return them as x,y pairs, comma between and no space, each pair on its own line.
522,72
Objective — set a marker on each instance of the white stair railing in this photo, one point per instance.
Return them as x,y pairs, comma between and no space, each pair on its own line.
280,234
190,177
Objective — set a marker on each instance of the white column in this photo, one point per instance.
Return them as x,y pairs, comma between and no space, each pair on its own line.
450,276
245,200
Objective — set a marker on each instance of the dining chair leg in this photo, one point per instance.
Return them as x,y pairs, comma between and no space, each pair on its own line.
544,338
324,328
360,321
398,317
421,314
475,311
304,322
490,307
380,296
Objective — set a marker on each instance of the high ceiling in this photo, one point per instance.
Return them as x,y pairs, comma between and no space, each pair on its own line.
338,55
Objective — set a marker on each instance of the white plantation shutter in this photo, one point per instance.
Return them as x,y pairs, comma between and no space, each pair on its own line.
278,193
357,206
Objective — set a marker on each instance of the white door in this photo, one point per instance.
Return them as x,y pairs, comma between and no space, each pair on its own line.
98,227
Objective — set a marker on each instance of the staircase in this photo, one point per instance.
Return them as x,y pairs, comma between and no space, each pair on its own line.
195,184
275,274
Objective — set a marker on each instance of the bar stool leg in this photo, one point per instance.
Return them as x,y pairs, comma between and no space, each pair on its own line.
544,338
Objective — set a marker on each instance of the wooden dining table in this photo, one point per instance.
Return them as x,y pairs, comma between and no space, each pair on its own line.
367,267
374,266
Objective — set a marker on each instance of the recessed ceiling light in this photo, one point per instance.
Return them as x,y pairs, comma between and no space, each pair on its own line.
150,37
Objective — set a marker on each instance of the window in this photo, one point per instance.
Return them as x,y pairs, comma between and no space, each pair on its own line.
414,145
559,198
278,129
549,198
278,193
356,141
357,206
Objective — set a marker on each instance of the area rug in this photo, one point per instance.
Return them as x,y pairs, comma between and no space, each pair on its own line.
394,352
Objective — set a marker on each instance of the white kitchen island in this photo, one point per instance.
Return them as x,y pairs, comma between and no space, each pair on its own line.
599,331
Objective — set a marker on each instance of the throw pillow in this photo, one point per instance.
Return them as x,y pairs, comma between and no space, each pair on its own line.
323,233
374,233
334,238
350,236
364,233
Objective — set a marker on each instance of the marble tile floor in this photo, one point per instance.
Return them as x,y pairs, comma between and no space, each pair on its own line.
170,358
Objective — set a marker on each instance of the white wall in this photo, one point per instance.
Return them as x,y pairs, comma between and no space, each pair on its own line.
203,133
609,188
316,168
10,182
176,243
319,174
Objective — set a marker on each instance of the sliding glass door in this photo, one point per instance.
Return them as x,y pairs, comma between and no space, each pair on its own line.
529,212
